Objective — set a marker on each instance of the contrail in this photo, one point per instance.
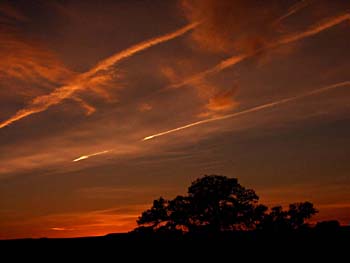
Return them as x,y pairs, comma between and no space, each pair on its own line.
89,155
254,109
313,30
231,61
294,8
141,46
81,82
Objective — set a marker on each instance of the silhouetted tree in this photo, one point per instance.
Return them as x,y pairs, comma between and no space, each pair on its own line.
167,215
276,220
218,203
293,219
214,203
179,210
156,215
221,203
299,212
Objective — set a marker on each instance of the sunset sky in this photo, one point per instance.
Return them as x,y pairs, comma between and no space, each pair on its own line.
107,105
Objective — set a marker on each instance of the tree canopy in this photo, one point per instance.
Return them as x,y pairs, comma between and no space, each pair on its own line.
286,220
217,203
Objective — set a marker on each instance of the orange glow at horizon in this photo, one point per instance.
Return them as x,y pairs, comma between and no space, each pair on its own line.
110,224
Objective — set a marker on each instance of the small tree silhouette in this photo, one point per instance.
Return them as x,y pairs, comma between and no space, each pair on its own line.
217,203
293,219
299,212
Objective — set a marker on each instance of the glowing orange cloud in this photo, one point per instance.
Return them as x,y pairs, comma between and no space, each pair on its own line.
87,107
82,81
27,60
311,31
254,109
61,229
222,101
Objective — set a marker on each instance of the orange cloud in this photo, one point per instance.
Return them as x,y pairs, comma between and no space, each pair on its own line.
231,61
223,101
238,25
216,98
232,25
170,74
28,61
87,107
61,229
82,81
145,107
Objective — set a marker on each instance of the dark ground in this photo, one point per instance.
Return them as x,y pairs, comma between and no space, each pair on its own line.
280,247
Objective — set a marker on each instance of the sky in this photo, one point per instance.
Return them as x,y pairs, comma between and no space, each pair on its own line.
107,105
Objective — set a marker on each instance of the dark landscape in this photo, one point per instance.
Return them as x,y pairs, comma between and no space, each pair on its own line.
206,221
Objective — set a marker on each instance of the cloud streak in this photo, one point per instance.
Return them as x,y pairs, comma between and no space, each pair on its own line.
251,110
231,61
106,63
83,80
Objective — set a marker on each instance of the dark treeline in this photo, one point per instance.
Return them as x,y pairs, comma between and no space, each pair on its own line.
216,204
217,219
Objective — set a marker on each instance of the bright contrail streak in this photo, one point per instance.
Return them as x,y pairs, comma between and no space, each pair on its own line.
89,155
229,62
81,82
254,109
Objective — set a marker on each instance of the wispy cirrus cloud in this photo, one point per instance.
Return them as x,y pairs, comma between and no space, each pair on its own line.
28,61
83,80
232,25
23,58
287,39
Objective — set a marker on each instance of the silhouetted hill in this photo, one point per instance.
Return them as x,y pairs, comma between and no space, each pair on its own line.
308,244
